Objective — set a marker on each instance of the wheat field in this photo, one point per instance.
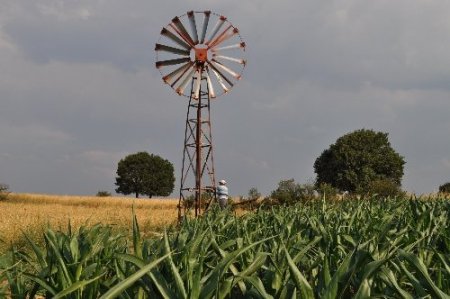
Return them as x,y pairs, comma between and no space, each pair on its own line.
33,213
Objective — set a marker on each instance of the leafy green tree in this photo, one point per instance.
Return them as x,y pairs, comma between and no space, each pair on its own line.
103,193
357,159
145,174
445,188
253,193
4,191
290,192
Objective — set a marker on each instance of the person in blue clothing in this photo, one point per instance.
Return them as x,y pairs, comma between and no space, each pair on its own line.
222,194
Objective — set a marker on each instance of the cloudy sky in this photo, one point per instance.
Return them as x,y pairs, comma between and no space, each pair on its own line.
79,91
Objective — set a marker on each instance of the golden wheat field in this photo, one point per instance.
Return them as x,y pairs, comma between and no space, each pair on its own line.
32,213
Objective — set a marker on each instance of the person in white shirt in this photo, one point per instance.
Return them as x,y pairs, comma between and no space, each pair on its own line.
222,194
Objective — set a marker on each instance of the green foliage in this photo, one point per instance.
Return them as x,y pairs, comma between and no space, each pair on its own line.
445,188
145,174
317,249
103,193
70,265
253,193
4,191
327,191
250,202
384,188
290,192
357,159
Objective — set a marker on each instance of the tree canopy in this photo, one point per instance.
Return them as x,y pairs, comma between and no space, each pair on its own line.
4,191
445,188
357,159
290,192
145,174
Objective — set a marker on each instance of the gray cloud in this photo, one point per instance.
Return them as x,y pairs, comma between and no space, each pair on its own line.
79,89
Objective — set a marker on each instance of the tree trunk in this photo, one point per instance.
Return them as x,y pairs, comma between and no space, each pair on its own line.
137,195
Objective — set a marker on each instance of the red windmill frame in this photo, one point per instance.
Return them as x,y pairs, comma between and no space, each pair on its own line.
209,60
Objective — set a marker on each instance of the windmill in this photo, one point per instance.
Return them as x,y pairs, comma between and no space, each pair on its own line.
199,55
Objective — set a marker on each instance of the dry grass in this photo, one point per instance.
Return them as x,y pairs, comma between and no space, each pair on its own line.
32,213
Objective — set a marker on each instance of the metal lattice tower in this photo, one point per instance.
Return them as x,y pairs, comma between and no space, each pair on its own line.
198,159
205,59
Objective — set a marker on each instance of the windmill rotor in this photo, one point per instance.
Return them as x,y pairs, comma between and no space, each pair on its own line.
196,45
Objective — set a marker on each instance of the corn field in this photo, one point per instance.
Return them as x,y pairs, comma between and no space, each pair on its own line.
378,248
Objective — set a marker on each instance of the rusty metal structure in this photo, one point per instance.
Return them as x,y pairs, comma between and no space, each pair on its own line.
199,55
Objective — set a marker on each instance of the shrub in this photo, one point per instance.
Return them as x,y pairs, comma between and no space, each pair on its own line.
384,188
290,192
251,201
103,193
4,191
253,193
445,188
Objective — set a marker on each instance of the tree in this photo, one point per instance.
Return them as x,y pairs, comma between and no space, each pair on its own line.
103,193
145,174
290,192
253,193
445,188
357,159
4,191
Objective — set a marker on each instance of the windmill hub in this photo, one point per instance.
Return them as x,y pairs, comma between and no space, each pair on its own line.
201,54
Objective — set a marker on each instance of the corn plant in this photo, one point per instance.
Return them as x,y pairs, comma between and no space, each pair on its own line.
383,248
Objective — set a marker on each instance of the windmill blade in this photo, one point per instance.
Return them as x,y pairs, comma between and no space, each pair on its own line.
235,46
213,41
223,37
237,60
172,50
182,87
174,38
216,29
182,31
182,35
205,25
224,34
198,81
220,80
171,62
191,17
216,71
210,86
191,66
182,69
226,69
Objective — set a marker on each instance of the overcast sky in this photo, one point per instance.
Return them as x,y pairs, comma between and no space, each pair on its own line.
79,90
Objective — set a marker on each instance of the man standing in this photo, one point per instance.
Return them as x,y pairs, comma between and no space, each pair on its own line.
222,194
